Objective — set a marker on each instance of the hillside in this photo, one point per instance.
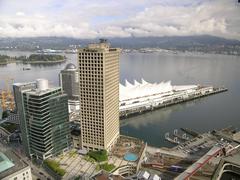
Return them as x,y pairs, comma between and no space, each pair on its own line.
203,43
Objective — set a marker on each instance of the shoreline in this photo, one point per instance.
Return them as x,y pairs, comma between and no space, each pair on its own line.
32,59
142,51
35,62
45,62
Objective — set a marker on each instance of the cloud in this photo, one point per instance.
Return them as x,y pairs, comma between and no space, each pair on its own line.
162,20
90,19
114,31
42,26
20,13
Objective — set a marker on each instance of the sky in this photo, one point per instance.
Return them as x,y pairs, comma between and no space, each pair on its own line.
119,18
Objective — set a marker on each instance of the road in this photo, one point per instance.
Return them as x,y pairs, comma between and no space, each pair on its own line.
3,120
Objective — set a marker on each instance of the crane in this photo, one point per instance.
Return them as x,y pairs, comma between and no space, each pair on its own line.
3,100
6,96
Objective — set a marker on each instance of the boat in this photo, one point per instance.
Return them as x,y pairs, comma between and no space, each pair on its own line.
26,68
174,141
182,137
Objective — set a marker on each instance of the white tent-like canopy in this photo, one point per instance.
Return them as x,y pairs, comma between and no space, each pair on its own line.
143,88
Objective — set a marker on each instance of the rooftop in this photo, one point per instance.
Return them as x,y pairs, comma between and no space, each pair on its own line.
102,46
233,158
10,162
37,88
103,175
128,146
70,66
144,88
5,163
38,92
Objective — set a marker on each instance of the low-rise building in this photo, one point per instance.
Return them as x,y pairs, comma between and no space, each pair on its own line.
12,168
228,167
103,175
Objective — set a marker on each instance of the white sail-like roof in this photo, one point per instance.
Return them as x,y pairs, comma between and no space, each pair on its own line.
136,83
128,84
143,81
131,91
144,88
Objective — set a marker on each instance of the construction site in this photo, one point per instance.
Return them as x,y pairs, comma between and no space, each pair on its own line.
9,120
6,95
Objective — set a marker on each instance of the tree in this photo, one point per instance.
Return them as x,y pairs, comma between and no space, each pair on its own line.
5,114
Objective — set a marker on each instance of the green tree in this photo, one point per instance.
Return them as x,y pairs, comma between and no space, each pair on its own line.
5,114
99,156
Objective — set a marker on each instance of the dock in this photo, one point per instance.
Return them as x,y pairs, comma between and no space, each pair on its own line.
183,137
181,99
190,131
174,141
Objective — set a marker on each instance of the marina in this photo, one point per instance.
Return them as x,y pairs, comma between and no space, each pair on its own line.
177,137
182,137
174,140
197,157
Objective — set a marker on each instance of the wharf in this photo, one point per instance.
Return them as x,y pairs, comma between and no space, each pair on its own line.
143,109
166,151
172,140
190,131
181,137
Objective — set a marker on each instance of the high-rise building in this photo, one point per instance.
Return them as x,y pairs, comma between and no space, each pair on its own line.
69,81
44,120
99,95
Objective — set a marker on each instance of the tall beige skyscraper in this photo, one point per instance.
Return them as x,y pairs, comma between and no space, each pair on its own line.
99,95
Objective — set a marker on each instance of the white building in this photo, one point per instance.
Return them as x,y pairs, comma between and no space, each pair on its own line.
147,95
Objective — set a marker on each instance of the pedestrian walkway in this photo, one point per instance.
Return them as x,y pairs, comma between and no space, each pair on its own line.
75,165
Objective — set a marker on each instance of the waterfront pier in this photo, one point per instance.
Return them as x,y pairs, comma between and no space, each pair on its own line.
174,140
182,137
145,104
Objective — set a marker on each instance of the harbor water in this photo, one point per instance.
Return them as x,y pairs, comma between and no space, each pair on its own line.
205,114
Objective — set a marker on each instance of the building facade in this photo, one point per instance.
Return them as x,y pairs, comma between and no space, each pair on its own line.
69,81
21,174
44,120
68,78
98,66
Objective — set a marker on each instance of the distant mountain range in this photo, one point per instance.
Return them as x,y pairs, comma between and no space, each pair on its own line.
203,43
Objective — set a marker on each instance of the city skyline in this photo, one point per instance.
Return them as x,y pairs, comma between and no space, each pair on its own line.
143,18
155,98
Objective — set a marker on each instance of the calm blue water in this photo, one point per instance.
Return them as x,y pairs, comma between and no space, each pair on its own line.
204,114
